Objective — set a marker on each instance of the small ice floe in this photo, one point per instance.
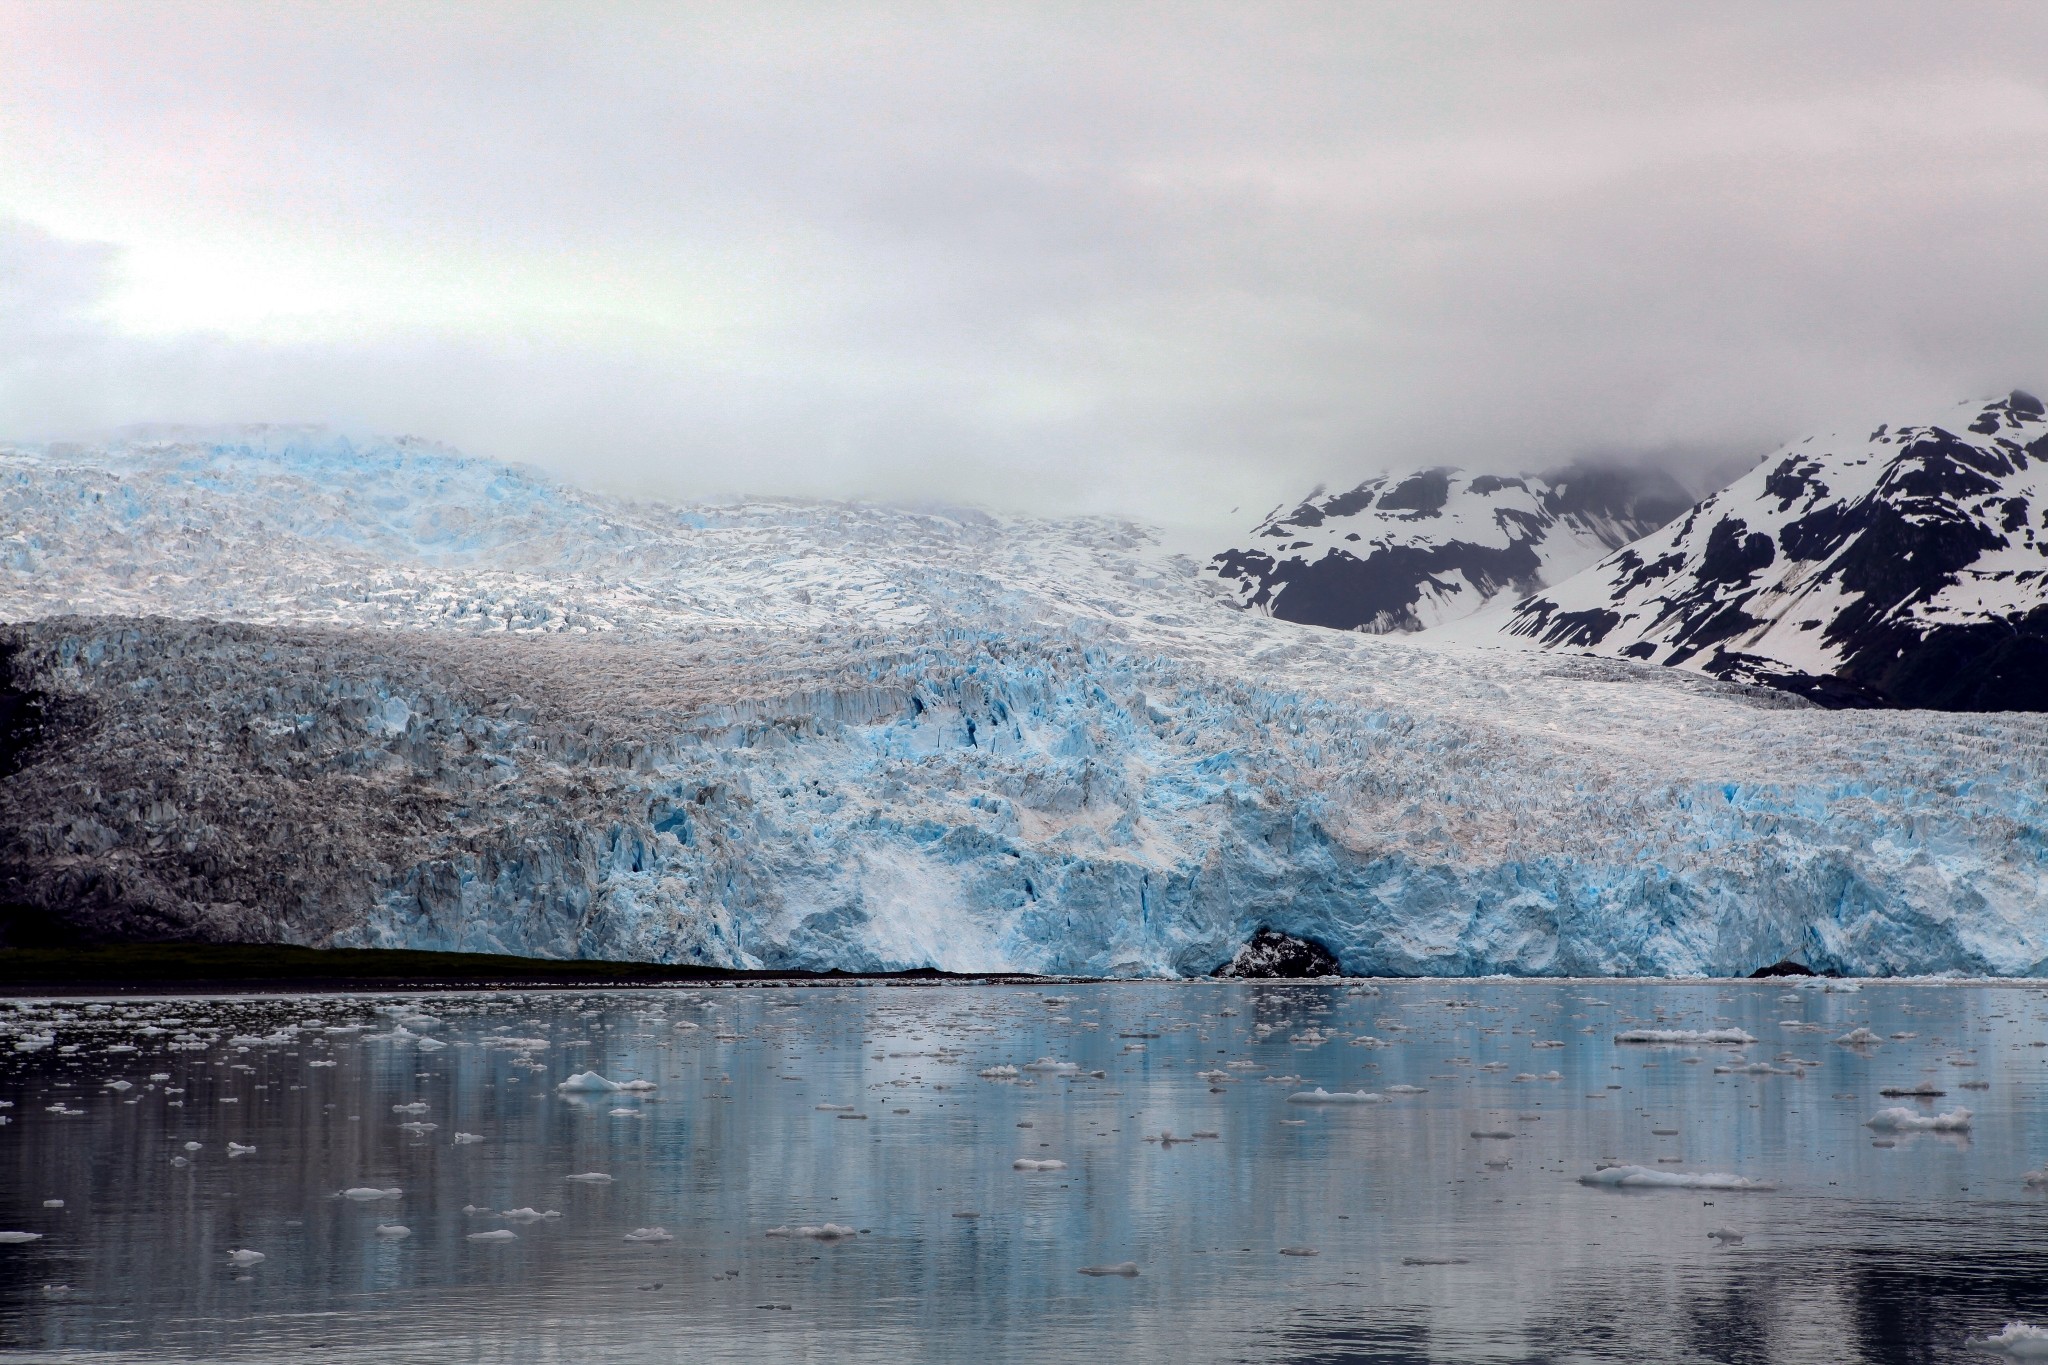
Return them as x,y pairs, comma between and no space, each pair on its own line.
650,1235
10,1237
416,1107
1727,1237
1903,1120
998,1073
245,1257
180,1161
625,1113
313,1064
236,1149
2035,1179
1322,1096
363,1194
1493,1134
527,1215
591,1178
495,1235
1684,1036
1299,1251
1859,1037
1643,1178
431,1045
419,1127
829,1232
53,1203
194,1146
393,1232
161,1075
590,1083
464,1139
1407,1090
2017,1341
1924,1091
1434,1260
1025,1163
120,1085
1125,1269
833,1108
1047,1066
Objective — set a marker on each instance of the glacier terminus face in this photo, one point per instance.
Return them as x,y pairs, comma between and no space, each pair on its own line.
283,686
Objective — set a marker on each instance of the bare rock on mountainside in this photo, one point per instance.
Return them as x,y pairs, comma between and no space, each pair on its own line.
1408,551
1905,565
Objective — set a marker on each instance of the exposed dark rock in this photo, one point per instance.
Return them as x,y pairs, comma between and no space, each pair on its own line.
1901,569
1404,553
1270,953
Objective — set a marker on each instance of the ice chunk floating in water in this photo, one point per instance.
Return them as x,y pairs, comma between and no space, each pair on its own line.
1681,1036
1322,1096
1902,1120
1643,1178
2018,1341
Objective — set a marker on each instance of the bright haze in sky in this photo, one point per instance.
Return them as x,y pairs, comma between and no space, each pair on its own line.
1163,260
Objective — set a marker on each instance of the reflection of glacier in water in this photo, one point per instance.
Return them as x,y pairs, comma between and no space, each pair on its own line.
856,1173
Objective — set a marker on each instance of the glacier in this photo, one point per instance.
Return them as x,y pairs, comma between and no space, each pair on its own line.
284,685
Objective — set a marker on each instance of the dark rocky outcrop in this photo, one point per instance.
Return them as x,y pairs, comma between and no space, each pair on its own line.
1270,953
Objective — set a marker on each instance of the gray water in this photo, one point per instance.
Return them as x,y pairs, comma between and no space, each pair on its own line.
1431,1244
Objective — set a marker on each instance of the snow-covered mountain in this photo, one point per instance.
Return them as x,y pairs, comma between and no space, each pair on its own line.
282,686
1905,565
1409,551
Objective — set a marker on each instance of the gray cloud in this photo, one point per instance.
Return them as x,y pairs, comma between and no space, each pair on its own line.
1159,259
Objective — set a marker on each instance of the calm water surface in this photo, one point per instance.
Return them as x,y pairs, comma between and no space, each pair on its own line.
865,1107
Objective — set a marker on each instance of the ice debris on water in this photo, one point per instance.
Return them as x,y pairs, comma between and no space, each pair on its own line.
1322,1096
1643,1178
495,1235
365,1193
589,1082
463,1139
998,1073
1125,1269
591,1178
1859,1037
1726,1236
1299,1251
393,1231
237,1149
245,1257
826,1232
2016,1341
1683,1036
1902,1120
527,1215
21,1236
650,1235
1025,1163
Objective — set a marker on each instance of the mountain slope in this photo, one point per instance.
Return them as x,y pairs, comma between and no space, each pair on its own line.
816,735
1903,567
1407,552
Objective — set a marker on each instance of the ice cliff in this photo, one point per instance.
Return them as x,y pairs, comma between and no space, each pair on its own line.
283,686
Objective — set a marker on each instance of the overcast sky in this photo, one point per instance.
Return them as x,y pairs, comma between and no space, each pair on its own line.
1156,259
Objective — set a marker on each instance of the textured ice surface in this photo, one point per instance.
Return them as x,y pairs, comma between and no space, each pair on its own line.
481,710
